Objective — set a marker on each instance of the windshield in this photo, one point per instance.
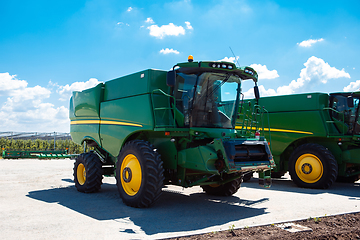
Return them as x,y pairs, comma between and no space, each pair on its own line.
208,99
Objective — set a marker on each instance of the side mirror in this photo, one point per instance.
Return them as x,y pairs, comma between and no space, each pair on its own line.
350,102
170,78
256,92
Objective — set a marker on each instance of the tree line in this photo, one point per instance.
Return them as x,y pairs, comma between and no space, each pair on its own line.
40,145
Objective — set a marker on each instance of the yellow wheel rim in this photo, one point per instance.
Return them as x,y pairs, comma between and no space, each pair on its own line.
309,168
130,175
81,174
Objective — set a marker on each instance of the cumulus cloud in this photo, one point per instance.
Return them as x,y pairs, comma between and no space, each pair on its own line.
263,72
149,20
8,83
352,87
25,108
166,30
188,26
66,91
315,73
129,9
168,51
310,42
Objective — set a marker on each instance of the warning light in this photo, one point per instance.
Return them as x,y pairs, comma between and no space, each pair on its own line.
167,133
190,58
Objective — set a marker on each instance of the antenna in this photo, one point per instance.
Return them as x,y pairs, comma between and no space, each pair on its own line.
234,57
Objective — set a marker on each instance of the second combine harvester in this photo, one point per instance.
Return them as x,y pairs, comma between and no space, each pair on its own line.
156,127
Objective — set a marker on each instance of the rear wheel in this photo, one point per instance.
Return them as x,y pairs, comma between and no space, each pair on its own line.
226,189
313,166
247,176
88,173
139,174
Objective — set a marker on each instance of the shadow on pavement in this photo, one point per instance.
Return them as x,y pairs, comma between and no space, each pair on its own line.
173,212
351,190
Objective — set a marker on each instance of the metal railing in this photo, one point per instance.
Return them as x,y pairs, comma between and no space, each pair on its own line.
164,114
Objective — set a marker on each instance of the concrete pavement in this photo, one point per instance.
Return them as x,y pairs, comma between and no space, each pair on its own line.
38,200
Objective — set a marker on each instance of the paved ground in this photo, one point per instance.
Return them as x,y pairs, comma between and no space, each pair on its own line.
38,200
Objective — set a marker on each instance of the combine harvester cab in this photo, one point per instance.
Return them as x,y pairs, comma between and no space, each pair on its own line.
155,127
315,136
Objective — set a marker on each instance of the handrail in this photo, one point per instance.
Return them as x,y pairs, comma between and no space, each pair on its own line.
331,121
171,113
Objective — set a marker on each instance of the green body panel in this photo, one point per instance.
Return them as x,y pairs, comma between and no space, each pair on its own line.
200,158
139,83
130,110
142,106
293,120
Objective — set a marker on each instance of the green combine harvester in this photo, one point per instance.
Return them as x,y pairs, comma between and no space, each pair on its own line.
155,128
314,136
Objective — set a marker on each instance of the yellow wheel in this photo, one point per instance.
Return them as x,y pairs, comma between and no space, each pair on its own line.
88,173
139,174
131,175
81,174
309,168
313,166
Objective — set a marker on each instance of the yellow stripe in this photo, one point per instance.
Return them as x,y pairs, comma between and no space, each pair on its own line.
277,130
105,123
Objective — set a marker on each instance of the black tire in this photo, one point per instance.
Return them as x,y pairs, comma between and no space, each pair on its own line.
139,174
88,173
226,189
313,166
247,176
350,179
277,174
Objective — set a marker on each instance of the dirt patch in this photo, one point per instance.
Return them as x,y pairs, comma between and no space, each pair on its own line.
340,227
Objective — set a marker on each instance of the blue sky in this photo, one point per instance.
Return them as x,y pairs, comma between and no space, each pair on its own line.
50,48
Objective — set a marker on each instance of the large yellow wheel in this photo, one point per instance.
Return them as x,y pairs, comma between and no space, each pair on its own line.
309,168
313,166
88,172
139,174
131,175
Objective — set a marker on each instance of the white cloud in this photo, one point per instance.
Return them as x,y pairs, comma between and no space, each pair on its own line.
188,26
262,90
229,59
66,91
42,118
310,42
28,109
9,83
352,87
25,110
166,30
149,20
315,73
167,51
263,72
121,24
129,9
